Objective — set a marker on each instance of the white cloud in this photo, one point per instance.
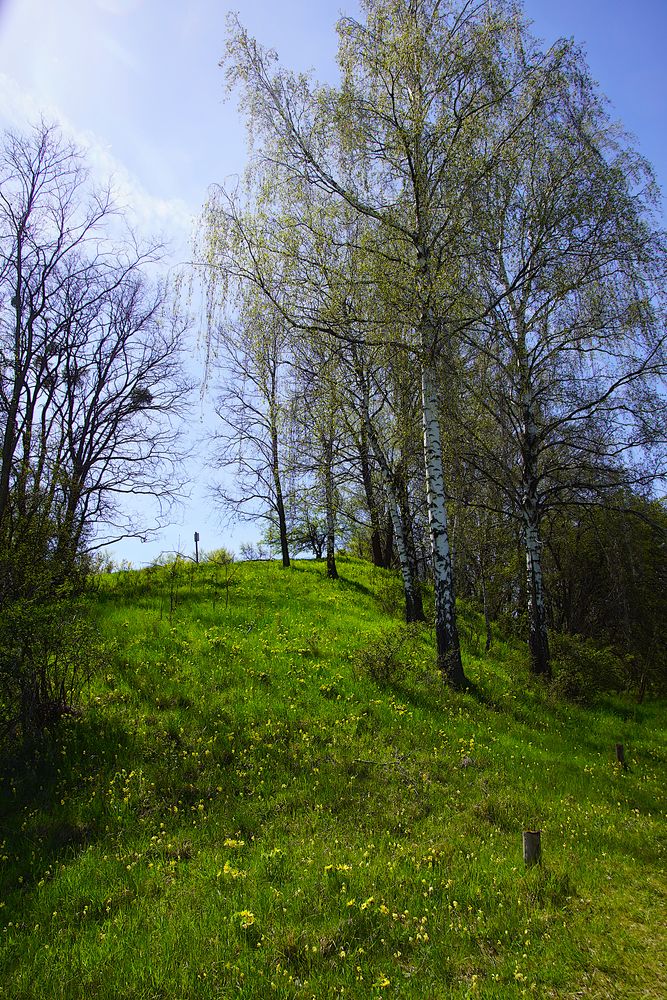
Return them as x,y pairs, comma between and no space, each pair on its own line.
166,218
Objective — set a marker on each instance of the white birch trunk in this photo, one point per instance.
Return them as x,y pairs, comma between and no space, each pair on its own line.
449,652
538,639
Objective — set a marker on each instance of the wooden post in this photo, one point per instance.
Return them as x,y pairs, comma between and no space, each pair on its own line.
532,847
620,754
197,547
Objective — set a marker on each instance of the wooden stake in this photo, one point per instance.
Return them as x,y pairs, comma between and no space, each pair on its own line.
197,547
620,754
532,847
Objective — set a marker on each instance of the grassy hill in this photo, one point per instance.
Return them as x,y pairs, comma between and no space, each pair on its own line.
269,793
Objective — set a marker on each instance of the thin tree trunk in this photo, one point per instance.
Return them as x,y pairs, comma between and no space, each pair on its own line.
275,457
446,632
388,542
371,502
9,440
485,606
280,506
410,551
538,640
329,492
414,611
413,604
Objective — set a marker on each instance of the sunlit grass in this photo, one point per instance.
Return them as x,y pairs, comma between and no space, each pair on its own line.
241,811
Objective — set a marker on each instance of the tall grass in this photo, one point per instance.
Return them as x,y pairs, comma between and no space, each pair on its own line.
245,808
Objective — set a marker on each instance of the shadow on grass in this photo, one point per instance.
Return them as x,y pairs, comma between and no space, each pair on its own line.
42,791
355,587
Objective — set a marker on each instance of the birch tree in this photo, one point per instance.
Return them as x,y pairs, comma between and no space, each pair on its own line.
402,143
575,340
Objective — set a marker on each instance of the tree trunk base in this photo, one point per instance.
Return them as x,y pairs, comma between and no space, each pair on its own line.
451,668
540,658
414,609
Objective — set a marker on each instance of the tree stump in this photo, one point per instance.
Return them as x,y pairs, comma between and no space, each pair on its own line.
532,847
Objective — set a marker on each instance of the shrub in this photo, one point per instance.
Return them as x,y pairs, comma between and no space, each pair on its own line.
582,670
385,657
48,652
389,592
223,572
218,557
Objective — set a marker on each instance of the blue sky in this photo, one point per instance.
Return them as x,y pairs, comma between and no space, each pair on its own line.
137,83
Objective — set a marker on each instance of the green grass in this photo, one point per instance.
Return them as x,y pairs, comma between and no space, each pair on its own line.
240,810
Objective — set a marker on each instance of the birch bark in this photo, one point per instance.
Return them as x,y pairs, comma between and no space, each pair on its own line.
371,500
538,639
446,632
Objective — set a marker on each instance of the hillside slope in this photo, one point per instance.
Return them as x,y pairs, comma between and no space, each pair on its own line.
269,793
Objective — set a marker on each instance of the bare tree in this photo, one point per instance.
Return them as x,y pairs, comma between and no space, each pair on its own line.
91,392
253,405
91,384
121,395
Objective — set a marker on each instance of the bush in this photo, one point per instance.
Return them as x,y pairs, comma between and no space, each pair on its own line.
389,592
218,557
582,670
223,574
48,652
385,658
